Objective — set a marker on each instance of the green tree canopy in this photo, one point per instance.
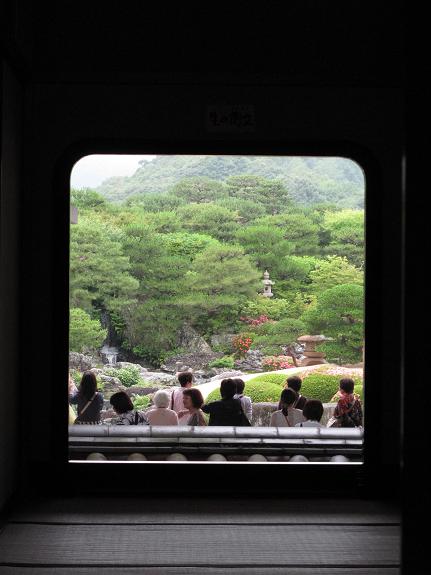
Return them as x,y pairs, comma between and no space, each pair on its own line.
85,334
345,235
272,194
199,190
220,279
211,219
99,269
333,271
338,313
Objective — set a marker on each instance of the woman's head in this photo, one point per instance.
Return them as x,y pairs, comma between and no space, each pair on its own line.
161,398
192,398
294,382
227,388
88,385
121,402
288,397
239,385
185,378
347,385
313,410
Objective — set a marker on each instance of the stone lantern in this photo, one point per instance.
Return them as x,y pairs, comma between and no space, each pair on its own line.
312,357
267,283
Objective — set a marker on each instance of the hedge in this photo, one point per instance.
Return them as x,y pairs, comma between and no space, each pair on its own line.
314,386
258,391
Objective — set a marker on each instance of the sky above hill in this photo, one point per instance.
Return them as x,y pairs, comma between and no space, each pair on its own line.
92,170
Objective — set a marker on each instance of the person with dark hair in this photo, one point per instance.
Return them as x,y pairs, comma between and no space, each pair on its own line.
72,390
348,411
295,382
193,401
312,412
244,399
88,400
227,410
123,407
185,379
287,415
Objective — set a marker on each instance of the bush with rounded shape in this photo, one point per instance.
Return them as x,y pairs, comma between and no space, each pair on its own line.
226,361
323,387
314,386
257,391
127,375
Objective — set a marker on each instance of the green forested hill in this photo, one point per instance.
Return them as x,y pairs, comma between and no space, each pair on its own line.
309,180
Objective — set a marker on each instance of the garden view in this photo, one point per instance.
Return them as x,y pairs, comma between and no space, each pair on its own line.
167,268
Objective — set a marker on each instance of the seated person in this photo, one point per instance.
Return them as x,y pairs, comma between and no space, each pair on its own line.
294,382
185,379
160,414
193,401
227,410
123,407
244,399
287,416
88,400
348,410
312,412
72,390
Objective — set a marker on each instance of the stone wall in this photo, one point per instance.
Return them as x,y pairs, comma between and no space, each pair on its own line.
261,415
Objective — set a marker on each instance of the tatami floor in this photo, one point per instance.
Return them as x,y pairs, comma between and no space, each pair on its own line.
126,535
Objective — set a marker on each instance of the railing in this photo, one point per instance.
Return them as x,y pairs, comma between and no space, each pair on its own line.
196,443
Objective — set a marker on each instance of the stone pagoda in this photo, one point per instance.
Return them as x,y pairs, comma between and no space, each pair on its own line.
267,283
312,357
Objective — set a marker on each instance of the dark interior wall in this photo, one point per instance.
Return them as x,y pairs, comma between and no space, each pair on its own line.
11,148
316,73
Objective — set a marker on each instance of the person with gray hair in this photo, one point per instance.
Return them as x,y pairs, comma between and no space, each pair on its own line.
160,414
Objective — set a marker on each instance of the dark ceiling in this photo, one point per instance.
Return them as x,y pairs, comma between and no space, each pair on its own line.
136,41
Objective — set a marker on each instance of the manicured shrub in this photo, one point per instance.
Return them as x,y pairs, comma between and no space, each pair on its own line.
276,378
314,385
127,375
323,387
258,391
226,361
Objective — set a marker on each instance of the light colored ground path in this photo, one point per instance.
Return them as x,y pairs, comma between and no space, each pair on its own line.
207,388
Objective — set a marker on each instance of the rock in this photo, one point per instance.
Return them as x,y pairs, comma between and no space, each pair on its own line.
194,361
138,390
97,371
252,361
123,364
189,339
111,385
223,339
80,361
159,378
